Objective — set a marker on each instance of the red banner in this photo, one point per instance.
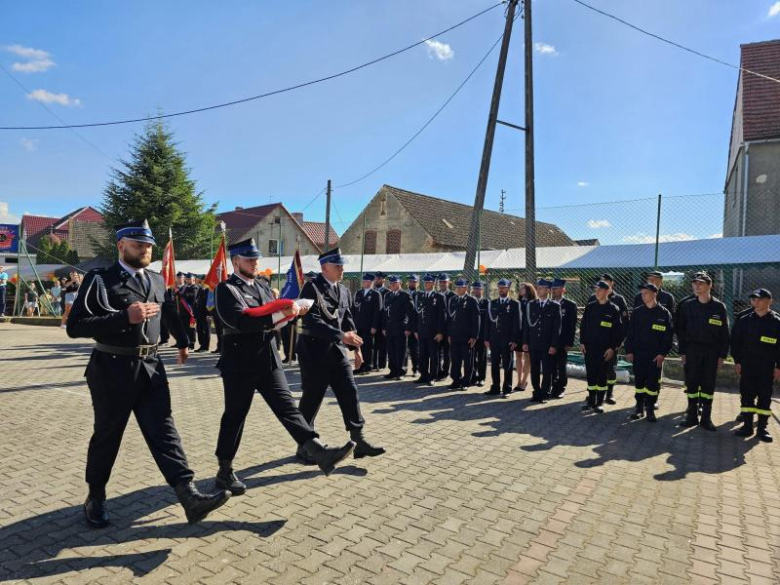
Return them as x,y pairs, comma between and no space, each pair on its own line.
168,263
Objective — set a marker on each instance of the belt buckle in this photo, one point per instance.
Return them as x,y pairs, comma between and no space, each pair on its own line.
144,350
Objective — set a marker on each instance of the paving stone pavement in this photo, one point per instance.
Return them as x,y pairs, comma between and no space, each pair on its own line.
473,489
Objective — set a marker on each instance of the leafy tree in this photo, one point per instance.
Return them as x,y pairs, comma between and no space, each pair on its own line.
53,250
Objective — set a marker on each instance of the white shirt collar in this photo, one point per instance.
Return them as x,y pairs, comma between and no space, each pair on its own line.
332,284
130,270
246,280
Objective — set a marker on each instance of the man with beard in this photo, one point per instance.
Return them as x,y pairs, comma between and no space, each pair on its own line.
250,363
327,333
121,307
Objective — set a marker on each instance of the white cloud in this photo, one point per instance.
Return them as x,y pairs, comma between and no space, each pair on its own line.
36,60
715,236
545,49
643,238
583,184
47,97
441,51
5,214
595,224
774,10
30,144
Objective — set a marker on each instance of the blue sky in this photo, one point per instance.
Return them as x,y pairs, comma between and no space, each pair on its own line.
619,116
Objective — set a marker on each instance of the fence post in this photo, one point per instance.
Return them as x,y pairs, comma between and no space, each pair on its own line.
657,231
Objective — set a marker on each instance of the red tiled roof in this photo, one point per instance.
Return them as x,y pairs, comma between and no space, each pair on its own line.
760,96
316,231
88,214
241,220
35,224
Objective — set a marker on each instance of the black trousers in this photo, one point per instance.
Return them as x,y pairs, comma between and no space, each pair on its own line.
203,327
165,335
150,400
501,358
396,354
542,366
218,329
379,358
701,372
429,358
462,362
335,371
647,377
596,368
289,335
185,321
755,387
413,350
560,378
444,356
480,362
367,349
240,388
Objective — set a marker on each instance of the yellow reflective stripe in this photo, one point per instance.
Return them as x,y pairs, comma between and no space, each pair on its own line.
606,324
717,322
657,327
601,388
747,409
651,393
762,411
693,394
612,381
770,340
640,390
593,387
707,396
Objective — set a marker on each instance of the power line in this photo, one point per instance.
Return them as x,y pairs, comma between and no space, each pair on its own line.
431,119
675,44
262,95
53,113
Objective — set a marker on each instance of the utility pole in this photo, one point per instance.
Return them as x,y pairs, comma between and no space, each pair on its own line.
487,150
530,185
501,201
327,220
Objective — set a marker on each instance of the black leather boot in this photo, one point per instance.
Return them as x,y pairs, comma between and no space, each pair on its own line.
746,430
762,433
302,456
650,409
362,447
226,479
706,416
599,407
609,399
691,414
639,411
95,512
196,504
327,457
590,401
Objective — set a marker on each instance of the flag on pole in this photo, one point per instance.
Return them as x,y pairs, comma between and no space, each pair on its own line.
217,273
294,283
168,263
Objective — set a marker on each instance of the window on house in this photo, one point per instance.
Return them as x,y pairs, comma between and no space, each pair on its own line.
393,242
275,247
369,246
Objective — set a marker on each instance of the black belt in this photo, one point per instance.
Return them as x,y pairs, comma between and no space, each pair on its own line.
140,351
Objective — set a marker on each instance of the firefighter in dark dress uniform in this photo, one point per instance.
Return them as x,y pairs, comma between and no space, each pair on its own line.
398,320
121,307
648,341
601,335
702,329
379,356
367,309
503,334
479,371
250,363
413,345
328,333
541,339
444,346
463,331
568,332
431,329
755,346
202,322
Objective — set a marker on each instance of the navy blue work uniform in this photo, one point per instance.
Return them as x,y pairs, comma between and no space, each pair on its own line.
541,332
503,327
431,321
463,326
601,329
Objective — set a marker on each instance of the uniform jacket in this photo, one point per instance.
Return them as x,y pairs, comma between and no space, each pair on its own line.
248,343
503,322
483,318
649,331
399,315
664,298
703,326
568,322
464,318
367,308
756,339
431,316
602,326
620,301
320,332
542,325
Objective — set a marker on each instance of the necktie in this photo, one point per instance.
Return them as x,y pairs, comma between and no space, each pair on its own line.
139,276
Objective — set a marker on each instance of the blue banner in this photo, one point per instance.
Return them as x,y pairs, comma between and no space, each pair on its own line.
294,283
9,238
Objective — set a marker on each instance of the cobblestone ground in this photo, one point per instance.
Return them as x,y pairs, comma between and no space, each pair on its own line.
472,490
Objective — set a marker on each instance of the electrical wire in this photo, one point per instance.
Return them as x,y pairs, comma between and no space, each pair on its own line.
262,95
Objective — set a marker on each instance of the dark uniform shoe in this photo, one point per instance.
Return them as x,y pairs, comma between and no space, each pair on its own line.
95,512
302,456
327,457
492,392
763,435
362,447
227,480
196,504
746,430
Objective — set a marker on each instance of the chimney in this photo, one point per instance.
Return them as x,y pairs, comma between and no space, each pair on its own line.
239,209
298,215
